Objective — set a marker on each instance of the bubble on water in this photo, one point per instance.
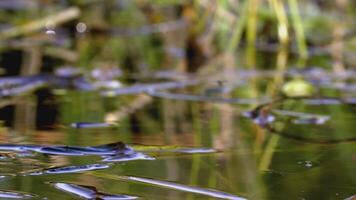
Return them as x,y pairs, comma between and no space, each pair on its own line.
81,27
50,32
308,164
50,26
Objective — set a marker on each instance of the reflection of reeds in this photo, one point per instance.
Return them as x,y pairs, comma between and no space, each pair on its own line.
137,103
272,141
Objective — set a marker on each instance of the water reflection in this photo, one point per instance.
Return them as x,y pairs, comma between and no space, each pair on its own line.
209,158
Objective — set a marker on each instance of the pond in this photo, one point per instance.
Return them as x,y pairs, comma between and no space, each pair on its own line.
116,113
201,146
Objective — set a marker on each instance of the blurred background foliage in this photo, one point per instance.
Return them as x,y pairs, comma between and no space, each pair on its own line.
144,35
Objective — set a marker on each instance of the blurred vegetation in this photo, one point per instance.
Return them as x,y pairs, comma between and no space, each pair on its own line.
143,35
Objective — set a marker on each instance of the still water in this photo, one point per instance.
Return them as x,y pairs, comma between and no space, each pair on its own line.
194,141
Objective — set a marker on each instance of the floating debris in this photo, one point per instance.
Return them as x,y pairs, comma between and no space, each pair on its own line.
19,147
304,118
60,150
174,149
116,149
70,169
123,157
15,195
185,188
192,150
91,125
89,192
140,88
314,120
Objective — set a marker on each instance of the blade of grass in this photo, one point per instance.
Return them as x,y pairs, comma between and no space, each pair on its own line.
252,21
235,39
282,20
298,27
